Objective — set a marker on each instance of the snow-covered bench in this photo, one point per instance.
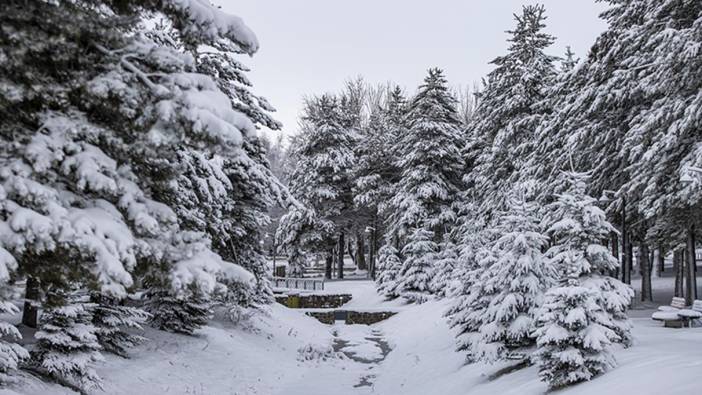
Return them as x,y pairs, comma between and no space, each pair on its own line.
676,315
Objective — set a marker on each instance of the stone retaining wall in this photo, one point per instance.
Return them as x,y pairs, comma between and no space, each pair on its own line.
367,318
351,317
313,301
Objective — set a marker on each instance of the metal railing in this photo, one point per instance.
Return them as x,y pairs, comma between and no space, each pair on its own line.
298,283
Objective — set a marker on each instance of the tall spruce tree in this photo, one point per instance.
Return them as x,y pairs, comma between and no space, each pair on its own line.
430,161
324,157
90,146
585,314
514,285
509,109
625,112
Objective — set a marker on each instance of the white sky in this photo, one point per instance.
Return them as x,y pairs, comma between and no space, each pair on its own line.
314,46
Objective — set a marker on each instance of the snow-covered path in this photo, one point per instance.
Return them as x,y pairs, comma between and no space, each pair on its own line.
360,349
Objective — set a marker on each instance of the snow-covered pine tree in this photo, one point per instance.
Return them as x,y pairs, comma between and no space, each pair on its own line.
228,192
11,354
323,155
626,114
502,133
514,285
585,315
445,278
465,314
568,63
113,323
297,263
388,271
376,173
67,343
430,161
298,234
93,172
414,279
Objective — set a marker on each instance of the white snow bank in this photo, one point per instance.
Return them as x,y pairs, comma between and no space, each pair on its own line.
423,361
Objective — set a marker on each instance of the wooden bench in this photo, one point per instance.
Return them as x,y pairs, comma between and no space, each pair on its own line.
675,305
676,315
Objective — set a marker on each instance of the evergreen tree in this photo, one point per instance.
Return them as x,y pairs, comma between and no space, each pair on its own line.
430,161
514,285
625,114
11,354
67,345
299,235
583,316
113,323
509,110
415,276
91,167
466,313
568,63
376,173
443,282
323,156
389,266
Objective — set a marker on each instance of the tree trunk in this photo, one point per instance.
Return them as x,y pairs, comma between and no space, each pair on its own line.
30,313
615,252
678,268
373,249
361,252
626,274
341,256
691,276
661,261
646,292
328,264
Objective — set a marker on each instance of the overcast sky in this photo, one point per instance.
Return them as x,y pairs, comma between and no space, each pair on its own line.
313,46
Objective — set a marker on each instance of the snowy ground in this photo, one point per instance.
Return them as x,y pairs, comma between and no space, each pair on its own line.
288,353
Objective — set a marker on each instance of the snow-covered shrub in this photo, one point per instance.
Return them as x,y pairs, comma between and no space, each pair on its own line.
316,352
11,354
179,313
67,346
114,322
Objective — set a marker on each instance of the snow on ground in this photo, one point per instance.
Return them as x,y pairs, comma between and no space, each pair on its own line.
423,361
363,294
286,352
